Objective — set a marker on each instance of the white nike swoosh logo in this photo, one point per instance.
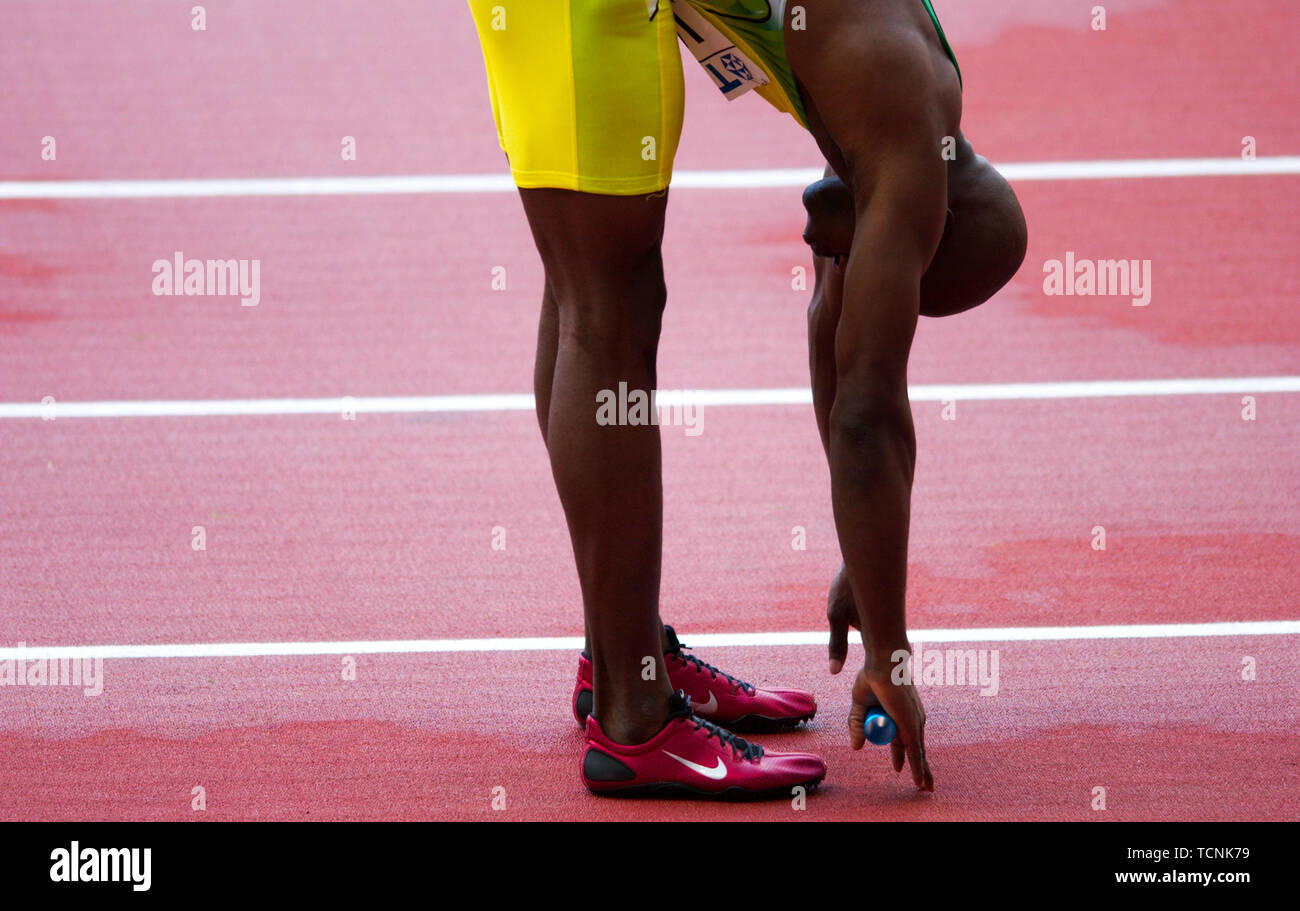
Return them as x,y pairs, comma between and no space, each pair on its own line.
717,774
708,708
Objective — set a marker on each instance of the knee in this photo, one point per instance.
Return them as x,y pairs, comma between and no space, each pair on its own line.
607,335
614,318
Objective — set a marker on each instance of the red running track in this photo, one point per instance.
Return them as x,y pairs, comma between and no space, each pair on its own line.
319,529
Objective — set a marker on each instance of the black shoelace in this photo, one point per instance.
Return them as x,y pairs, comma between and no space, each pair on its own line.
700,666
740,748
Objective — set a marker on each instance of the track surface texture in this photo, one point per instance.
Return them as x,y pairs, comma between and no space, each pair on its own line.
374,536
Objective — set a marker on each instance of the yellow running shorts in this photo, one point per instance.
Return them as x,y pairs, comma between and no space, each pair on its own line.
587,94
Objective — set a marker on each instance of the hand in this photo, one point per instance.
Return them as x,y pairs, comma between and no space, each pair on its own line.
841,614
875,686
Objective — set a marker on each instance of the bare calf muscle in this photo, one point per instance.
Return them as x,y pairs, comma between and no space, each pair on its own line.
600,324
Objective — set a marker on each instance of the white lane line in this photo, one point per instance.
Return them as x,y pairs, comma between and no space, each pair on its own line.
967,392
572,643
759,178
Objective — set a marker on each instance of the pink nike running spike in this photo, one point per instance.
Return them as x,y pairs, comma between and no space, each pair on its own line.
692,757
715,695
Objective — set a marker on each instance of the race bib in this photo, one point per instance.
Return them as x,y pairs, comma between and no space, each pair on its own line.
732,72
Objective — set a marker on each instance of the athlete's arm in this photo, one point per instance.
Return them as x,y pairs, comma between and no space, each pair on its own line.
881,97
871,436
829,232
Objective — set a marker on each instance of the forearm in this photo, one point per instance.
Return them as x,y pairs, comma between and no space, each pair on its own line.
873,460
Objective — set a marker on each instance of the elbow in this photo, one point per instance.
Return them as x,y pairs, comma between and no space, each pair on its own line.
869,416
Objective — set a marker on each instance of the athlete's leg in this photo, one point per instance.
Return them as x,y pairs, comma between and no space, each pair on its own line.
605,277
548,338
587,100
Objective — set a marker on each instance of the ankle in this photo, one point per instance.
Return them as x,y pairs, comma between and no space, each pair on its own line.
634,721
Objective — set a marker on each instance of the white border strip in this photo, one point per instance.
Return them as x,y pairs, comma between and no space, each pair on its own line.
967,392
712,640
687,180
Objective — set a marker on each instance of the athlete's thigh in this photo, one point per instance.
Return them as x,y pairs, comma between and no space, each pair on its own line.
593,242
